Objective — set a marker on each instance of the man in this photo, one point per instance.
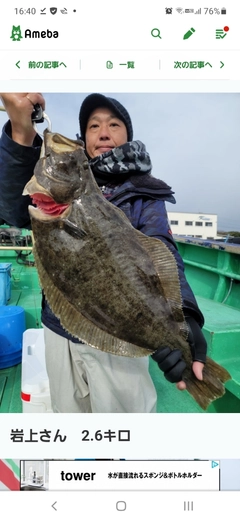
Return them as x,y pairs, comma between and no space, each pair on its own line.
84,379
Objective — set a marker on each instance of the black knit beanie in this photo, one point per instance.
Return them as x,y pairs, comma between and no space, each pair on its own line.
95,101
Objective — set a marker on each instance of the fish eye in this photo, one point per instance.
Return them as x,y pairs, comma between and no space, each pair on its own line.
63,168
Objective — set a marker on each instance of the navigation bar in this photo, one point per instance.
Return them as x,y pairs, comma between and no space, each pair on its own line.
122,65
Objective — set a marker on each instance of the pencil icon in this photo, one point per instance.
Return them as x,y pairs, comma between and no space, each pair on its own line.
189,33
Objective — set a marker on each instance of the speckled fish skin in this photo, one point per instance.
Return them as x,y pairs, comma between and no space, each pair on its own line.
111,286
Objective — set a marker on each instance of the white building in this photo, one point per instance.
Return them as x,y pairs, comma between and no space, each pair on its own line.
188,224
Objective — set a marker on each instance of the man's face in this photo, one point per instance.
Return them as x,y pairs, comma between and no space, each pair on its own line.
104,131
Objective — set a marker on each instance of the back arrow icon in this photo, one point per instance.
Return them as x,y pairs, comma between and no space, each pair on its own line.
222,64
17,64
54,506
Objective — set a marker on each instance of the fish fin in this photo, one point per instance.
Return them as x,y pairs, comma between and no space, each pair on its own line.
73,229
79,326
211,387
166,268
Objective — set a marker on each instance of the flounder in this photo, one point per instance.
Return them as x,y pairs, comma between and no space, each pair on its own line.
111,286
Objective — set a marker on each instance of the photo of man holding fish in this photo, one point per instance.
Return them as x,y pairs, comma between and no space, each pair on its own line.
114,288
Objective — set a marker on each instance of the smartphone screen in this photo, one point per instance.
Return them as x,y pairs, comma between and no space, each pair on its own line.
119,260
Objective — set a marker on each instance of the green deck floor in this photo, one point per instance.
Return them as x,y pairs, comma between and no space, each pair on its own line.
10,389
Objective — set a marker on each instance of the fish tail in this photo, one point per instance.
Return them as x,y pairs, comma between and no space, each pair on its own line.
211,387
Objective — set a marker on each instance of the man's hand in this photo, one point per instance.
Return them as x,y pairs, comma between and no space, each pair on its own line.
198,346
19,107
171,363
197,368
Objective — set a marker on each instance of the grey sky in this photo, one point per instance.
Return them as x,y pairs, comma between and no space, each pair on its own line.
193,141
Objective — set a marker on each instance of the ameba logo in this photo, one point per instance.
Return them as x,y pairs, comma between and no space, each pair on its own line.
16,34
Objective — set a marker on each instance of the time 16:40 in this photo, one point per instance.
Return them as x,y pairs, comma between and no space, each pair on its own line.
21,10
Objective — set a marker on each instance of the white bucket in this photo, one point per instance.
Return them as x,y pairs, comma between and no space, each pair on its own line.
35,392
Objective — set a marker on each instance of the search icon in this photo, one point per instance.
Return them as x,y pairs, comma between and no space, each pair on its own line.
156,33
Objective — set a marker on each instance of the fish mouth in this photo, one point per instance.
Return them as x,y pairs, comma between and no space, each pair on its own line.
46,208
57,143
